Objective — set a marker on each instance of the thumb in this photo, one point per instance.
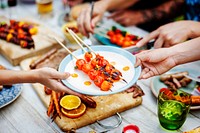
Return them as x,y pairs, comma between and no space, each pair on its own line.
62,75
138,62
94,21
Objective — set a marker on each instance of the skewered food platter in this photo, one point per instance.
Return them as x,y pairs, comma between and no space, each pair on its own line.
125,75
20,39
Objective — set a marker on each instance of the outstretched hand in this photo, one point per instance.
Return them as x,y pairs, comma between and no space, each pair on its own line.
170,34
127,17
154,62
51,78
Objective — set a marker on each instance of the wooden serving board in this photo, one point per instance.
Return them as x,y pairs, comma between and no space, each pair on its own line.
106,105
15,54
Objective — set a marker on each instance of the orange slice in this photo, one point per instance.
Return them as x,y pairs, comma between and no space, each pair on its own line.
75,113
70,102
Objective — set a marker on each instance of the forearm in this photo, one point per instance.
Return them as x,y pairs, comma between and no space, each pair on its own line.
116,4
186,52
8,77
194,29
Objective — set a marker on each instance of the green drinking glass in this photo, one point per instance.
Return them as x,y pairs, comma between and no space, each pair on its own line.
173,107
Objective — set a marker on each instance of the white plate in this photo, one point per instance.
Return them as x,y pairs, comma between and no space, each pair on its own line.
121,58
9,94
156,84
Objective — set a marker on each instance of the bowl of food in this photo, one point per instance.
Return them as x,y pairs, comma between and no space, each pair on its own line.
72,26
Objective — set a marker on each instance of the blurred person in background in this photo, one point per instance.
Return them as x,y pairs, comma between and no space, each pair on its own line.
177,32
146,14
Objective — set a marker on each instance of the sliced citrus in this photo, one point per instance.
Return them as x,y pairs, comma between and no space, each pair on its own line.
75,113
70,102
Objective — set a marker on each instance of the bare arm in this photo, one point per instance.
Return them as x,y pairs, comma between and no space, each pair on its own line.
9,77
172,34
186,52
46,76
159,61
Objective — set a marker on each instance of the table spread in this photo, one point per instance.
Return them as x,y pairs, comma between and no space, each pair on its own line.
28,114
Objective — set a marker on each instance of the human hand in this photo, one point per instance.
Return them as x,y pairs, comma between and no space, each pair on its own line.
127,17
86,24
51,78
155,62
169,34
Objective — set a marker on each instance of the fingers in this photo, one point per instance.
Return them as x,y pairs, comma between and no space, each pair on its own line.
147,38
58,87
94,21
146,73
138,62
84,22
63,75
159,42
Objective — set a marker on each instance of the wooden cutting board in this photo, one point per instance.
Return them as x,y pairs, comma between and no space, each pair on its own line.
106,105
15,54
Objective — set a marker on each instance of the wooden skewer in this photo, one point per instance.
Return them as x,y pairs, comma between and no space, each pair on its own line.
63,46
82,42
70,32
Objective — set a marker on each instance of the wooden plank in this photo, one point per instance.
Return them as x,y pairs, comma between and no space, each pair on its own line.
15,54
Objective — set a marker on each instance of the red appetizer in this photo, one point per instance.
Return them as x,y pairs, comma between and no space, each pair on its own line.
99,70
18,32
122,38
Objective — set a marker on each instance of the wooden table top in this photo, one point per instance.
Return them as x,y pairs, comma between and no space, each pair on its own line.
28,114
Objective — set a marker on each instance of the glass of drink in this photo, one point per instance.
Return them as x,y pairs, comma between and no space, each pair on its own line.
44,7
173,107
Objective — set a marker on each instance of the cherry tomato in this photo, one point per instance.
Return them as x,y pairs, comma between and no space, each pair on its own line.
127,38
86,67
119,36
120,41
103,62
94,62
126,44
80,63
88,56
132,37
118,31
99,56
113,39
110,33
109,68
106,85
93,73
98,80
166,91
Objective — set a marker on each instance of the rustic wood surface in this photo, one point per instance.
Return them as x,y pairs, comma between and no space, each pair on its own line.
27,114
